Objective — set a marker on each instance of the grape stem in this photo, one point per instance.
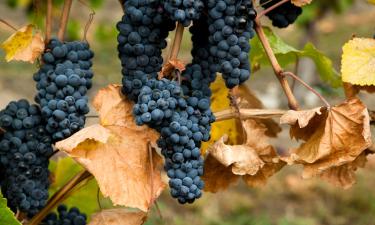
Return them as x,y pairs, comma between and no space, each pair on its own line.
64,19
48,21
264,12
60,196
293,104
248,113
296,78
177,42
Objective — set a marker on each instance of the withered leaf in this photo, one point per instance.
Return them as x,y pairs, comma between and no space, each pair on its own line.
255,160
246,99
170,66
117,153
118,217
337,138
344,176
301,3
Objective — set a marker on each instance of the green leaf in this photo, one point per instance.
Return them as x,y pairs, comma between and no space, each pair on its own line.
287,54
86,197
6,215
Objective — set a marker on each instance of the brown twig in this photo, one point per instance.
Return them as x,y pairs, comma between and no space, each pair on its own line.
249,113
64,19
264,12
8,24
59,196
295,77
48,21
177,42
293,104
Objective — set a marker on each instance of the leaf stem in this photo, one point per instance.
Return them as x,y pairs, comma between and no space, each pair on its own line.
64,19
264,12
59,196
293,104
177,42
295,77
48,21
248,113
8,24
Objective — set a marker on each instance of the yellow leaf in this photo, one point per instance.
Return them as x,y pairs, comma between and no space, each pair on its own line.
333,138
24,45
358,62
371,1
118,217
220,101
255,161
117,152
301,3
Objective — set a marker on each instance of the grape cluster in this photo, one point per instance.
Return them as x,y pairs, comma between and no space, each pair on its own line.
282,16
62,83
65,217
231,28
25,148
184,11
143,30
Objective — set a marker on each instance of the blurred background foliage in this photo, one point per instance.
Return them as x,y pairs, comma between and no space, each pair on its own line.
287,199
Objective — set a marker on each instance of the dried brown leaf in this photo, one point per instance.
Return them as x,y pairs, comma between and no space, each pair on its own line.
32,51
170,67
217,177
117,153
303,123
118,217
255,160
301,3
246,99
344,176
338,139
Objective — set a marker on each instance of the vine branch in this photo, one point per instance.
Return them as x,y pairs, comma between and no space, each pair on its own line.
249,113
59,196
177,41
48,21
64,19
293,104
295,77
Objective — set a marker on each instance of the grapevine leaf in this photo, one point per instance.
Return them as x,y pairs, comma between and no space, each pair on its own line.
118,217
86,198
287,54
255,160
344,176
170,67
333,138
301,3
24,45
6,215
358,62
117,152
219,102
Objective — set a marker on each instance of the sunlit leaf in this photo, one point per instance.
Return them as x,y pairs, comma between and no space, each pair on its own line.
358,62
6,215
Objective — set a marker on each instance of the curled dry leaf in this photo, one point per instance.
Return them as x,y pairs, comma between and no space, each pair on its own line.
24,45
117,153
333,138
301,3
344,176
255,160
118,217
170,66
246,99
